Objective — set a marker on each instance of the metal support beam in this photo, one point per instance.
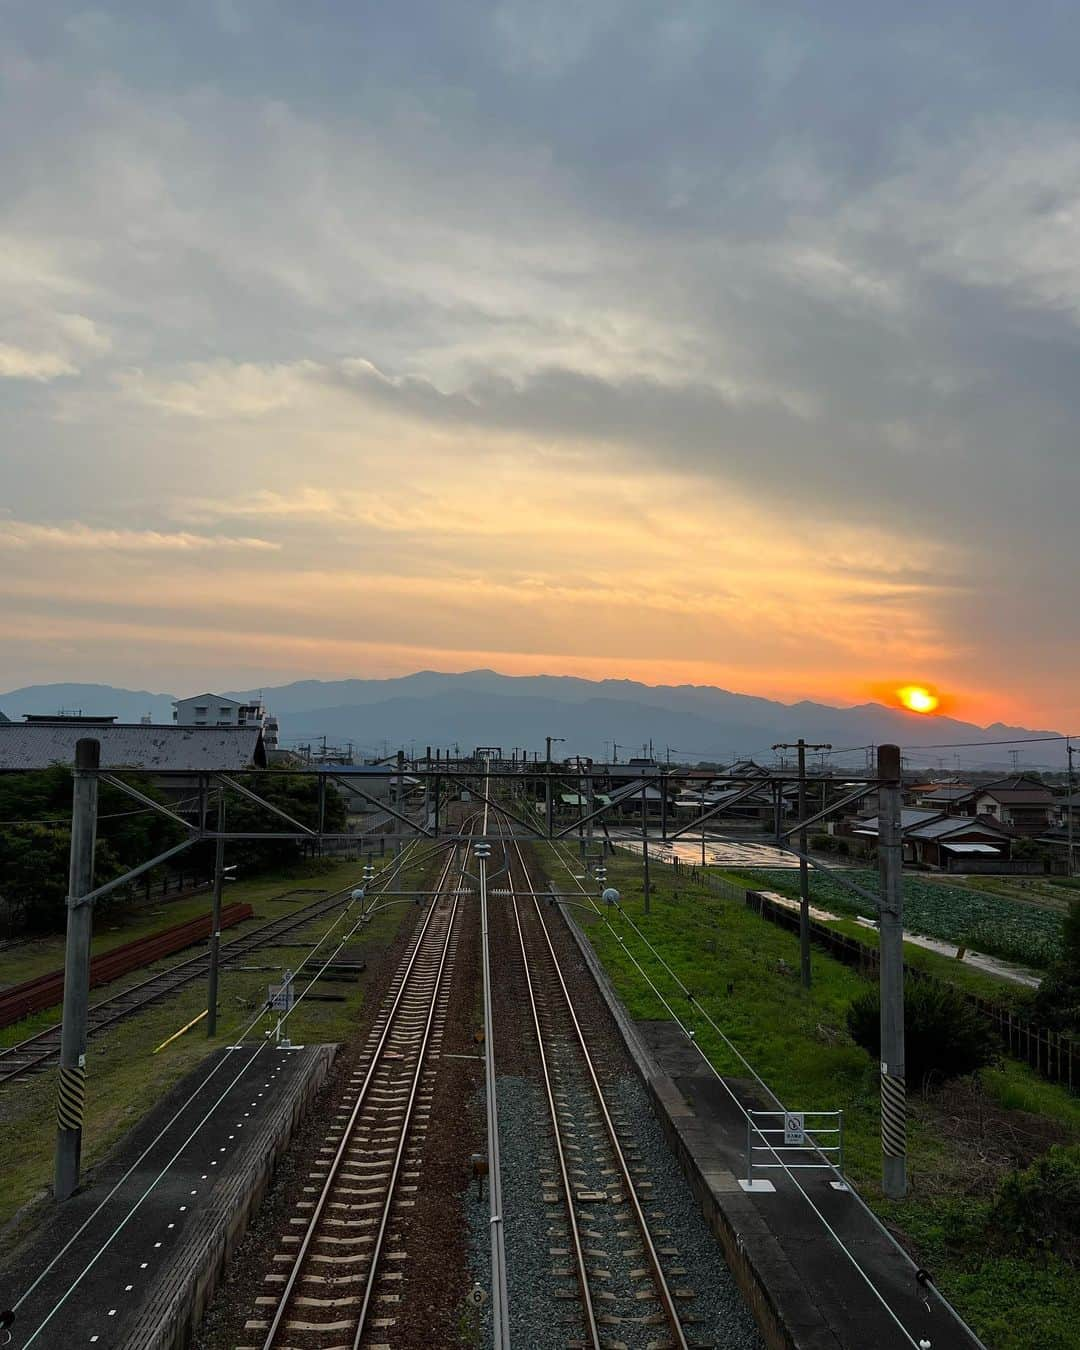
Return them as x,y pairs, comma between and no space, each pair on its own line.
261,801
891,938
71,1099
149,802
747,791
501,807
109,886
383,806
831,809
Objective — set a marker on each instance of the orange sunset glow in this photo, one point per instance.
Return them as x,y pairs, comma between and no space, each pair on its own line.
509,382
917,698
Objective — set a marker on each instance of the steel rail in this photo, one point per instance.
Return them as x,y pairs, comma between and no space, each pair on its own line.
591,1326
260,1047
395,1170
500,1291
361,1101
175,977
659,1278
740,1106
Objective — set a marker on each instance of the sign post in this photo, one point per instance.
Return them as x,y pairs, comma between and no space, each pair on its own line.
280,999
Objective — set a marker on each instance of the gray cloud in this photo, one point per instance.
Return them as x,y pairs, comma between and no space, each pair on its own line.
829,260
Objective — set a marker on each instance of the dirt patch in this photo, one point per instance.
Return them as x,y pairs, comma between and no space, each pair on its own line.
994,1141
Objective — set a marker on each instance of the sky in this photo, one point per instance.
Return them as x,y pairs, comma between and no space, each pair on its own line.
685,342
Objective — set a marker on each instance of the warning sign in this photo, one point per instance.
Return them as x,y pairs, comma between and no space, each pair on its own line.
794,1128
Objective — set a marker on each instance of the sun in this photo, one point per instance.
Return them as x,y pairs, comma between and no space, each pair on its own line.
917,698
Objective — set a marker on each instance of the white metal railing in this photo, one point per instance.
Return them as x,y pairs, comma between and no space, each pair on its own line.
771,1146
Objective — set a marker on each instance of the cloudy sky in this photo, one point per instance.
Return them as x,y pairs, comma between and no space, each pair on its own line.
691,341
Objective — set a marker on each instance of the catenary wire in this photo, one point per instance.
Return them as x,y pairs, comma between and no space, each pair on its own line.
395,869
742,1058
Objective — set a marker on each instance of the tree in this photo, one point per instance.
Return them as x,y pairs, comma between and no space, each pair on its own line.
35,836
295,794
944,1036
1057,1004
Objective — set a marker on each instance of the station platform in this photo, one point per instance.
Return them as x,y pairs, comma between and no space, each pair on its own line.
130,1261
810,1288
822,1285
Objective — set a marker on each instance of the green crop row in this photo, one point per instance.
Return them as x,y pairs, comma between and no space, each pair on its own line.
983,922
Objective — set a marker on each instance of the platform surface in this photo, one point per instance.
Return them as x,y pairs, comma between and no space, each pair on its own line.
106,1264
823,1299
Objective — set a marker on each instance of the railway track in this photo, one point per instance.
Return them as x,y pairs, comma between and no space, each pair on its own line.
19,1062
336,1283
611,1252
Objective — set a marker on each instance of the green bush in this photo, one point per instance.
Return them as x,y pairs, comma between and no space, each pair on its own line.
1057,1004
822,843
943,1035
1039,1208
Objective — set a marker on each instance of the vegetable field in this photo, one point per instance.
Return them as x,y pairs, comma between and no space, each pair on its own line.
986,923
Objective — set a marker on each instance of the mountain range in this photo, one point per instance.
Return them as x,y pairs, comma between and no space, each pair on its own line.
482,707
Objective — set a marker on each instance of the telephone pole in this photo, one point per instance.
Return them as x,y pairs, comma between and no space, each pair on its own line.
804,870
1070,748
645,843
215,915
71,1099
891,940
551,740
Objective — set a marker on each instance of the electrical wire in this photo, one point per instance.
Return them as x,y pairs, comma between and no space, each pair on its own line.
757,1077
108,815
395,868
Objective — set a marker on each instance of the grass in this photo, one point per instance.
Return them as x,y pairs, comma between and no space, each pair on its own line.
270,896
995,988
125,1078
744,971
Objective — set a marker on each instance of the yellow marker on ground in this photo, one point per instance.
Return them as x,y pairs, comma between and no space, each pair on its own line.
173,1037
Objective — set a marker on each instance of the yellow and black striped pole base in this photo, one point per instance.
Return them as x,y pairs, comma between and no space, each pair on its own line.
894,1135
71,1098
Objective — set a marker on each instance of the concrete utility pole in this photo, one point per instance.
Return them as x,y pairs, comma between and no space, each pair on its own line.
804,870
1069,806
589,797
71,1099
547,782
645,844
215,918
891,930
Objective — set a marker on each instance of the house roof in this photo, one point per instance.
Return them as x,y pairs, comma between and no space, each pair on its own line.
212,698
1029,796
914,817
631,792
29,745
949,825
948,793
750,768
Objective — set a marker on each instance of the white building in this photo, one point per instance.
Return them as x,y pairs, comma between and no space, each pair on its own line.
215,710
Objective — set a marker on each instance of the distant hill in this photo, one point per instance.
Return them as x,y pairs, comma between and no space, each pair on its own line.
482,707
93,700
